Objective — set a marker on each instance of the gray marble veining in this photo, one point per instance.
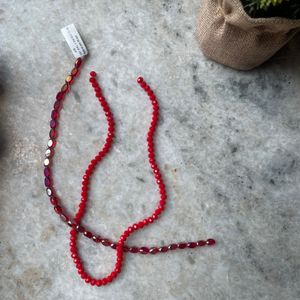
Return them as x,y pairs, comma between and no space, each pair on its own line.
228,145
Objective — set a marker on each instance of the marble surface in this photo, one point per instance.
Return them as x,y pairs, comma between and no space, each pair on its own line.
228,144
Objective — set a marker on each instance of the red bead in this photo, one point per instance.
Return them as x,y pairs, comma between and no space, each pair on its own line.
74,71
54,201
153,250
163,249
53,124
47,172
54,114
93,282
47,182
158,211
65,88
99,282
51,143
58,209
182,245
93,74
88,234
192,245
88,279
59,96
105,242
113,245
78,62
173,246
69,79
133,249
130,229
57,105
144,250
201,243
210,242
73,232
140,79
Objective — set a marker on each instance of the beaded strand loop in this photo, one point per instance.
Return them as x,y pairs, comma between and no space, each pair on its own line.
76,226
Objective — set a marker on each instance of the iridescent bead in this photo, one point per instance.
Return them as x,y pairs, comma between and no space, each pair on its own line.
74,71
49,192
51,143
46,162
48,153
69,79
47,172
78,62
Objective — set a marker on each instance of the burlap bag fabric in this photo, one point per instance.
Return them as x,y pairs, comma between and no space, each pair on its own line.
229,36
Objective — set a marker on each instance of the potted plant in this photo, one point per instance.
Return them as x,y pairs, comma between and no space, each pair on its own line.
243,34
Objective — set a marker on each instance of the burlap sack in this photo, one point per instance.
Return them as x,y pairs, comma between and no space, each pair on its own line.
229,36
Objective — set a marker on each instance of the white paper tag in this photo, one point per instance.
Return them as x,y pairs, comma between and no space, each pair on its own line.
74,41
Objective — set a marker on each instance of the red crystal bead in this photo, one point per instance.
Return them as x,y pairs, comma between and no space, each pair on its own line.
57,105
59,96
52,134
58,209
201,243
105,242
74,71
182,245
47,182
54,201
88,234
47,172
52,123
51,143
192,245
140,79
210,242
173,247
54,114
153,250
93,74
78,62
163,249
65,88
133,250
144,250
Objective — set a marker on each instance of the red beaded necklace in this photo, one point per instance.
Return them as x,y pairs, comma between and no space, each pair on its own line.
76,226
